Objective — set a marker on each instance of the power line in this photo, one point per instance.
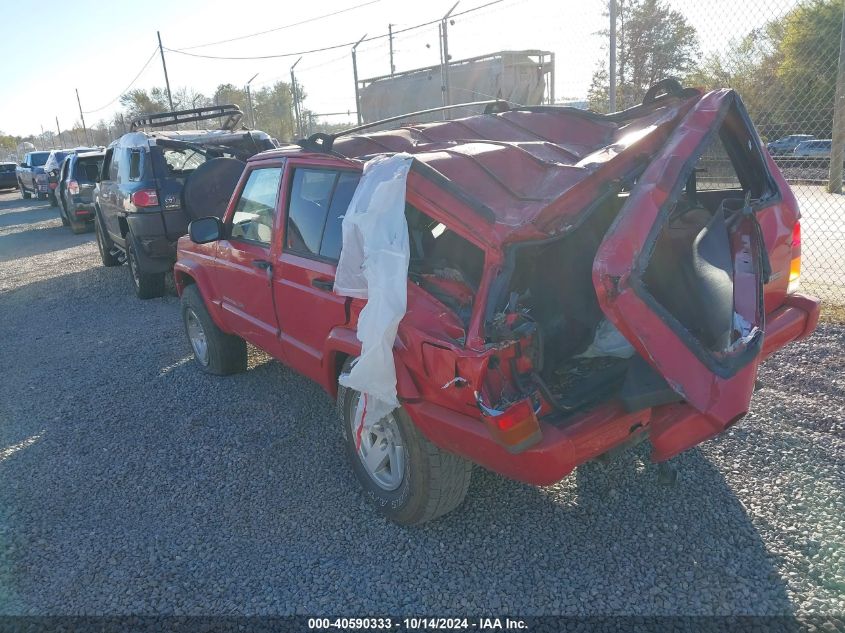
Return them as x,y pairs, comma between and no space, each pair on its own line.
279,28
335,46
131,83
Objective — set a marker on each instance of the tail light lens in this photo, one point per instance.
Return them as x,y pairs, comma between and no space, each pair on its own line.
795,264
73,187
516,428
144,198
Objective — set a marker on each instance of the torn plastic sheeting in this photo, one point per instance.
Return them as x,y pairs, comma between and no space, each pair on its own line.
373,265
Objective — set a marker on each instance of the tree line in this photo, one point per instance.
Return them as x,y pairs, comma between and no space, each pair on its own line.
785,69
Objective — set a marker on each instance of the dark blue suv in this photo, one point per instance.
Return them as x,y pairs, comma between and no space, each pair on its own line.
140,201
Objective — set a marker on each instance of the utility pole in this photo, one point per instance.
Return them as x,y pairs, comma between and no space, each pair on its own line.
612,64
59,130
444,33
837,149
249,98
295,94
355,76
82,116
390,37
164,65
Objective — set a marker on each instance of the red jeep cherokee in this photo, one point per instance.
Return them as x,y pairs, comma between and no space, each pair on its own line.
531,231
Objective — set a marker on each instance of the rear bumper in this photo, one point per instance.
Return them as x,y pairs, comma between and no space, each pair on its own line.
82,211
672,428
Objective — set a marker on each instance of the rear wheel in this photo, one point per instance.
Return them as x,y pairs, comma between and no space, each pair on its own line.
214,351
147,285
103,245
63,214
406,477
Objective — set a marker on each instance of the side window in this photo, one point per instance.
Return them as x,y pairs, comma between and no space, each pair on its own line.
332,235
308,206
256,208
318,200
134,164
115,164
105,173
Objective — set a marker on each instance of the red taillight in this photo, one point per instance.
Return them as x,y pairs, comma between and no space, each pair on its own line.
73,187
144,198
516,428
795,264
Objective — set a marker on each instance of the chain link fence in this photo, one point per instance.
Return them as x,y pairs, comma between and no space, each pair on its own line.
782,57
785,66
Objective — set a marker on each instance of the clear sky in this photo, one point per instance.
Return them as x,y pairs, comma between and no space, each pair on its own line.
99,47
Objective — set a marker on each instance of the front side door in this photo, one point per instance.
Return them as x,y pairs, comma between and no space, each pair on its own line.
244,270
307,308
681,271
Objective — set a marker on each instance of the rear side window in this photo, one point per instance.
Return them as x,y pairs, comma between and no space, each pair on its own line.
134,164
318,200
256,208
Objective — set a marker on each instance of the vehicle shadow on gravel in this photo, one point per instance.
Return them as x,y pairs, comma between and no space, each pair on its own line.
138,484
39,241
19,212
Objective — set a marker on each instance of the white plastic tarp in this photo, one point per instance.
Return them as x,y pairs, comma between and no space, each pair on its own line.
373,265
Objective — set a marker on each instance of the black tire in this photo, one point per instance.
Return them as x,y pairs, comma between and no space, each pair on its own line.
53,201
435,482
79,228
147,285
63,214
24,193
225,353
104,245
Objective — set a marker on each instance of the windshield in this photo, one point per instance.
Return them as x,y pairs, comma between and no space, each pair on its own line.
37,159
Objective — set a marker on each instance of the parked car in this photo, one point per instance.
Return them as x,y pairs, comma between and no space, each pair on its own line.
77,177
787,144
520,264
7,176
143,198
31,177
817,148
54,163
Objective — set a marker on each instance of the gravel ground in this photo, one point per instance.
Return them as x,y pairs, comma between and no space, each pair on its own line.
132,483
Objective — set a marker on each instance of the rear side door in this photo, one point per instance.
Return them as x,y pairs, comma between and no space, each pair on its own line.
244,264
689,296
316,198
107,197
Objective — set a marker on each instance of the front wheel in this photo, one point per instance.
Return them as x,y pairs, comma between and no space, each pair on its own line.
407,478
147,285
214,351
24,193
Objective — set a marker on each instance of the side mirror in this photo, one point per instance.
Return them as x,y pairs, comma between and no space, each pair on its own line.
205,230
23,164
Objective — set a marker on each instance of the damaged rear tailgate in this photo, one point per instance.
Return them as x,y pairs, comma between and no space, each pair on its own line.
697,315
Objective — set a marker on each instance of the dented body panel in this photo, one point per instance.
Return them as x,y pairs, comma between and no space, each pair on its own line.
472,353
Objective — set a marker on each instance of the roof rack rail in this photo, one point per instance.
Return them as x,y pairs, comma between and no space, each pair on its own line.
321,142
231,113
